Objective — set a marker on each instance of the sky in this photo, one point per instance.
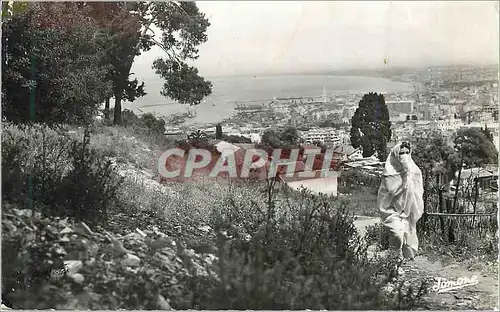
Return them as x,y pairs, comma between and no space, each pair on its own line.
267,37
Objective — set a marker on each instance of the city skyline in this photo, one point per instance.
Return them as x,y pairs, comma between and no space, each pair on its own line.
255,38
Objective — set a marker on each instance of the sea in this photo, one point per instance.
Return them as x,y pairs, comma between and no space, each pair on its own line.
228,90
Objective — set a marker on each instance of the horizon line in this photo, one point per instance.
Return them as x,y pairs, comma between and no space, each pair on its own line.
372,70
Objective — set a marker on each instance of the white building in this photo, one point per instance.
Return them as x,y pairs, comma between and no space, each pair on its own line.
405,107
327,136
449,124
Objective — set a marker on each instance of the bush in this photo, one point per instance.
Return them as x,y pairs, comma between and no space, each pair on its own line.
379,235
238,251
48,171
458,237
236,139
302,254
353,180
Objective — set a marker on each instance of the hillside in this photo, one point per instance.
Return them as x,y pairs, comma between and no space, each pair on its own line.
183,242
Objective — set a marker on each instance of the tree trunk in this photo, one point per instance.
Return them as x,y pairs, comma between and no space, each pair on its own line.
476,193
118,108
440,206
458,183
426,191
106,108
119,89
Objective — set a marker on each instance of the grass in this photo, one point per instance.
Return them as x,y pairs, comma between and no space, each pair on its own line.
125,145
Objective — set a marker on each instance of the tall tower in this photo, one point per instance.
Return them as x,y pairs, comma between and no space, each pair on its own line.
325,97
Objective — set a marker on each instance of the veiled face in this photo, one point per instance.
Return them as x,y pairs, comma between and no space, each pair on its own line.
403,151
397,154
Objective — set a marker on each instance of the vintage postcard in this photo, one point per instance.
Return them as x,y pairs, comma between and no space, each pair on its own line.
250,155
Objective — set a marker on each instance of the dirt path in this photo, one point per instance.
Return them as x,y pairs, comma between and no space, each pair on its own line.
483,295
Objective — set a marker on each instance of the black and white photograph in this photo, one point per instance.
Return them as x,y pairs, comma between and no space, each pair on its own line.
250,155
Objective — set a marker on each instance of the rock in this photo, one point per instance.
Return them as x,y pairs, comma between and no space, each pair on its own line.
66,230
90,262
64,239
161,243
162,303
205,228
73,266
77,278
24,213
141,232
9,225
83,228
132,260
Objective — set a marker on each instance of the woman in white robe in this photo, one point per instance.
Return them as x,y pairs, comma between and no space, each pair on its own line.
400,200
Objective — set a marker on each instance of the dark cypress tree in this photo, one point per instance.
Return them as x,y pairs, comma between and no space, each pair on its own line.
370,126
218,132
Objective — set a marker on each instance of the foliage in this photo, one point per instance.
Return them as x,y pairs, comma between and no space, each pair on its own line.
330,123
488,134
183,83
60,176
236,139
52,65
475,148
270,138
183,27
370,126
303,248
288,137
378,234
353,179
438,162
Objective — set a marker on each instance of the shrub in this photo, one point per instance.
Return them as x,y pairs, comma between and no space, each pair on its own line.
51,172
302,254
256,250
378,234
458,237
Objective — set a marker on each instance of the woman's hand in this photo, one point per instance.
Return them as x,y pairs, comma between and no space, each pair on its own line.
405,179
403,186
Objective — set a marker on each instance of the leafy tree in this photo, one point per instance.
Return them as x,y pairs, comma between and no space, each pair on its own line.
155,126
271,138
183,28
475,148
120,24
438,162
218,132
52,63
289,137
370,126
